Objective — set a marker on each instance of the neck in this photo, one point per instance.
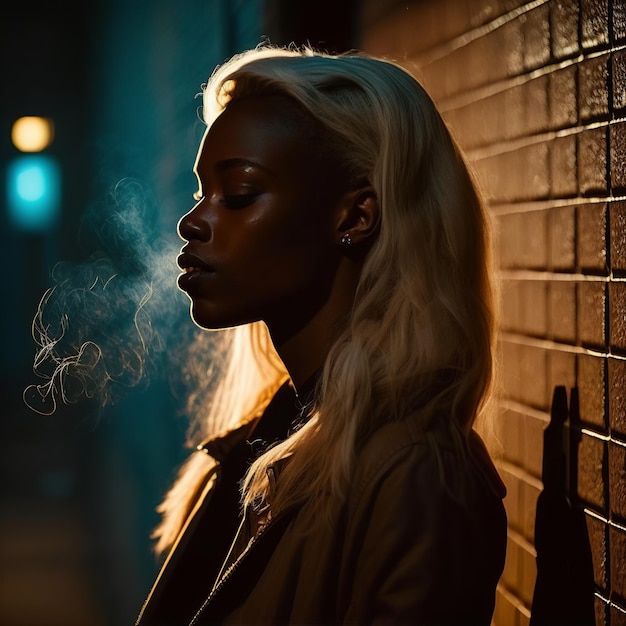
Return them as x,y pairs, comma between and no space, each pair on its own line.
304,351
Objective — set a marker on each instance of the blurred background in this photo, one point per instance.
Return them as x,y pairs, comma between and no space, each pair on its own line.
95,176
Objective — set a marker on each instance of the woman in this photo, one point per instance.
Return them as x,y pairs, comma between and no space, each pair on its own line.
339,242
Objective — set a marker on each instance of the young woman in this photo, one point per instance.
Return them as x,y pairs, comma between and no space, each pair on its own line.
339,245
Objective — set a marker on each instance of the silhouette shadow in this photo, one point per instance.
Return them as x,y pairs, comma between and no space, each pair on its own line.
564,588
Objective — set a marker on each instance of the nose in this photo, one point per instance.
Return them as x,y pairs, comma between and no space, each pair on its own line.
194,224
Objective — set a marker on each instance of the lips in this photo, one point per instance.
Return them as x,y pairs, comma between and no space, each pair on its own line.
189,262
195,270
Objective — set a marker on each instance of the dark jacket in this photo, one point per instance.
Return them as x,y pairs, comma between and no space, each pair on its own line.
419,539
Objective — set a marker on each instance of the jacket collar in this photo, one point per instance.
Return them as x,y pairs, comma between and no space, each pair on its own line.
219,446
280,411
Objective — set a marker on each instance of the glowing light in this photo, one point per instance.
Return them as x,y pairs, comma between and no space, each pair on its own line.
32,134
33,192
30,184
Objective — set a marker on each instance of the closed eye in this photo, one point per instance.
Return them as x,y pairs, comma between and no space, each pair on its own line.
239,201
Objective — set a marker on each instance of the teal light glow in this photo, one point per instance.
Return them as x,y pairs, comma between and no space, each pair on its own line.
33,192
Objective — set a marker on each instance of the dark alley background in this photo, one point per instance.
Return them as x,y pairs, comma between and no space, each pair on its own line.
79,487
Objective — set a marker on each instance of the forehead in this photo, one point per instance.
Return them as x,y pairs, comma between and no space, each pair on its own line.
269,130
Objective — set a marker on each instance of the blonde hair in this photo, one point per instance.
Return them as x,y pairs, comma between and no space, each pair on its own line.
420,340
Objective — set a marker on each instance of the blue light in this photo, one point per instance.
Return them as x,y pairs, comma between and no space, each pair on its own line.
31,185
33,192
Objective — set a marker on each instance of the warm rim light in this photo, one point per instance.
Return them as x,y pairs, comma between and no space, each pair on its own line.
32,134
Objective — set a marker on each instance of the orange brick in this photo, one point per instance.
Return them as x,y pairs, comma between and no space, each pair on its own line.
617,396
512,500
592,161
394,31
489,119
499,249
536,113
533,428
591,313
564,23
513,103
533,373
562,369
594,23
617,315
534,240
618,236
591,243
536,33
510,305
563,181
618,23
505,613
601,610
618,565
533,307
510,366
529,493
591,389
593,85
562,227
456,18
528,562
617,482
618,157
619,80
591,464
511,40
597,532
510,434
563,98
562,307
464,68
535,183
508,240
521,174
511,573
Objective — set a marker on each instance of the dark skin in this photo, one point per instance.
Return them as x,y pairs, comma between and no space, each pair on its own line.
264,238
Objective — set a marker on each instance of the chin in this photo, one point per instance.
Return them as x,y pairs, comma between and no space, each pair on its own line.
205,323
210,319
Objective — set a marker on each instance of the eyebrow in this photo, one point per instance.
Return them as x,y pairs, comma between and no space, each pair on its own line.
235,162
228,164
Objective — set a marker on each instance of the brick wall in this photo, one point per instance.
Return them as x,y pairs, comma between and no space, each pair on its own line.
535,93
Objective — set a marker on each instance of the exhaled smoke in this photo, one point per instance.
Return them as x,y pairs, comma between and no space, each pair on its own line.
105,324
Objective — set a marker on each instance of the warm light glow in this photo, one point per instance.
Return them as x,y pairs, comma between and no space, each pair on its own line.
32,134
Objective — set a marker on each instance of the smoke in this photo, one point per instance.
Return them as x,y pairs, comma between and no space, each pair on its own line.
106,324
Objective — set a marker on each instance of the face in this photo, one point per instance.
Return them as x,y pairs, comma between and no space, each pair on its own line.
262,237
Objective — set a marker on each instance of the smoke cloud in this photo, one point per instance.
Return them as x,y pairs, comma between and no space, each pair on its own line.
106,324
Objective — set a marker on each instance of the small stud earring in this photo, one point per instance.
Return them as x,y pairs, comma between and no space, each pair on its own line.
345,240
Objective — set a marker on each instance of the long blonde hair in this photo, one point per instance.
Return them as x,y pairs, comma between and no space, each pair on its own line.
420,340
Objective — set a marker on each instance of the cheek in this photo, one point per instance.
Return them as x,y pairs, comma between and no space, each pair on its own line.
289,231
297,250
303,221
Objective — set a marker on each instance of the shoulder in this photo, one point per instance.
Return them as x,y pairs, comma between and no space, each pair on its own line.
424,515
428,463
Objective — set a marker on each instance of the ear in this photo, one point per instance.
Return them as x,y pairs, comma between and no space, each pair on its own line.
358,216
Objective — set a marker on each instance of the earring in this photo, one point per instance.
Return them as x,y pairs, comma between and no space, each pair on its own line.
345,240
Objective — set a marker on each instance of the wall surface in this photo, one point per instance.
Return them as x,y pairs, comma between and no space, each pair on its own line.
535,94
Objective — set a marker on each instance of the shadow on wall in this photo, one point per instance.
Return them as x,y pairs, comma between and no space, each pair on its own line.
564,589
